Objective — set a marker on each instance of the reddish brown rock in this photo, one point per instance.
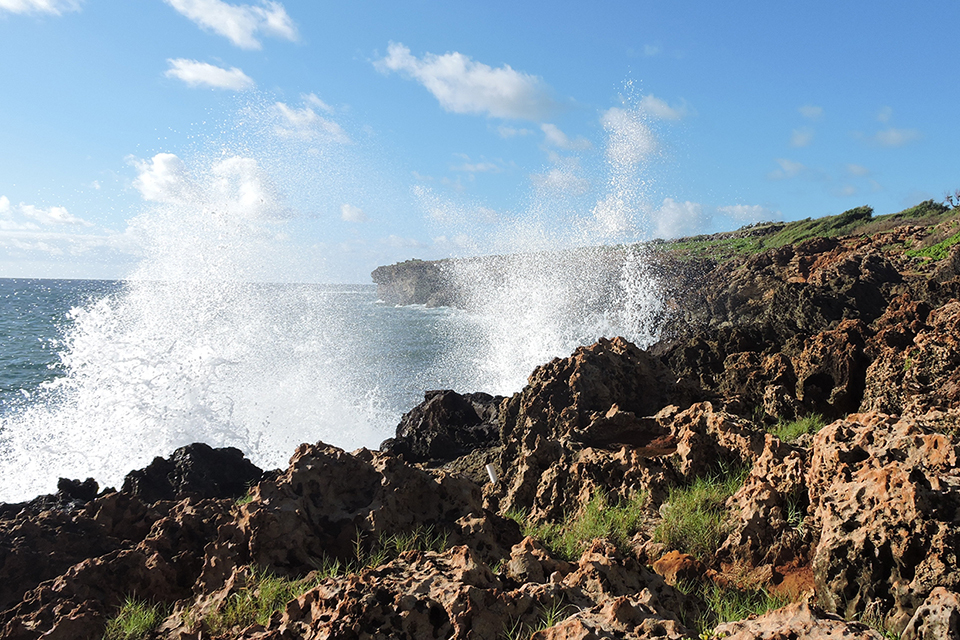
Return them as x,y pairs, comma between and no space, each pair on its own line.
886,502
938,618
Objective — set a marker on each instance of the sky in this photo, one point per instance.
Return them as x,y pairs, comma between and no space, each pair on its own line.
325,139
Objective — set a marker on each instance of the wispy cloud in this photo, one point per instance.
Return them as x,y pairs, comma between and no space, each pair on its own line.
203,74
675,218
52,7
350,213
660,109
511,132
788,169
750,213
857,170
893,137
462,85
307,124
240,24
557,138
28,216
801,137
811,112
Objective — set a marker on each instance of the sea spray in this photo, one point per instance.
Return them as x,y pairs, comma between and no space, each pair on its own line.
563,274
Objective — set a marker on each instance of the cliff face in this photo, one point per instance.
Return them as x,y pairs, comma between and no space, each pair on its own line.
790,451
414,282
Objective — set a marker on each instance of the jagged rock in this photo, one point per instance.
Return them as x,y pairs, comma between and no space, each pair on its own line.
446,425
938,618
832,368
916,368
707,438
530,561
327,498
769,510
600,394
621,618
196,470
800,620
885,494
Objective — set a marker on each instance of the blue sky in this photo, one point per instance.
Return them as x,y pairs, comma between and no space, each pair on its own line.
347,135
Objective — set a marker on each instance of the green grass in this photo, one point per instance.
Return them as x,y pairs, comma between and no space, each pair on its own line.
695,520
599,518
728,604
938,251
135,619
790,431
547,616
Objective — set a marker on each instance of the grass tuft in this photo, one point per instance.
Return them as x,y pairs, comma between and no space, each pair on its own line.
790,431
597,519
135,619
695,519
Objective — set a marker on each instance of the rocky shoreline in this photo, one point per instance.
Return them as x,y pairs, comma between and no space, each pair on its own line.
784,465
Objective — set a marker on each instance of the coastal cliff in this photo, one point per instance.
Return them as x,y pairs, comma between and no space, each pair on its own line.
783,464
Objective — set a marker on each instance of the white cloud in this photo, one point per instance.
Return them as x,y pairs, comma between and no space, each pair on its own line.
660,109
53,7
895,137
557,138
4,204
561,180
885,114
197,74
750,213
857,170
630,139
52,216
510,132
350,213
163,179
810,111
306,123
675,219
477,167
240,24
311,98
465,86
403,243
801,137
650,50
788,169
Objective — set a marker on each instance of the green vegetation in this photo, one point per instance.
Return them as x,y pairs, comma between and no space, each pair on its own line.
597,519
548,616
790,431
266,593
695,520
770,235
135,619
937,251
728,604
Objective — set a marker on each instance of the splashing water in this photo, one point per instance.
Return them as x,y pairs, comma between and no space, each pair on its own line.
554,287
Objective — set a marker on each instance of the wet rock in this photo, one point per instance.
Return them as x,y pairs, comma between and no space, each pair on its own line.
446,425
196,470
800,620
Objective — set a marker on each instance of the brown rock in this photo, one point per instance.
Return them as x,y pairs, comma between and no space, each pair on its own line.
938,618
800,620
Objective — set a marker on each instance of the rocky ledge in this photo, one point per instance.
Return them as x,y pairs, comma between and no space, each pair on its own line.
784,466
